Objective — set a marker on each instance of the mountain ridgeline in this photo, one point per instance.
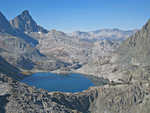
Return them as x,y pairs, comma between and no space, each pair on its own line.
103,34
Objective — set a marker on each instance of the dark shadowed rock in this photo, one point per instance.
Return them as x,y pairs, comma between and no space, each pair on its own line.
8,69
5,25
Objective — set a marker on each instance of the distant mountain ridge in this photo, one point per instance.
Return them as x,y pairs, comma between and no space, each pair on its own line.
25,23
106,34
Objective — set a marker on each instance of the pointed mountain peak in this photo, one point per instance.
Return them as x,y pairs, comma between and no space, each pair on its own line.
25,23
25,12
147,25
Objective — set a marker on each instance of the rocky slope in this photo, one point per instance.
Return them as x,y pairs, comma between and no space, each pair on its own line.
63,47
15,50
136,50
73,51
133,51
9,70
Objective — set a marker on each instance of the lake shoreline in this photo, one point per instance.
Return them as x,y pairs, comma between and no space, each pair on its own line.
30,72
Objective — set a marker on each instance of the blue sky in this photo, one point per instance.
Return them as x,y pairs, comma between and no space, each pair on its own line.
84,15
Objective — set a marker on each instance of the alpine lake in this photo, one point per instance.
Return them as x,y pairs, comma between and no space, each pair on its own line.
73,82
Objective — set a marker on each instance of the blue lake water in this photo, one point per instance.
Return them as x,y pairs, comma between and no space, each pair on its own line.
55,82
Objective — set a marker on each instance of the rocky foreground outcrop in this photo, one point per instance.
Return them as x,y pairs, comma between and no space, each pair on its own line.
131,95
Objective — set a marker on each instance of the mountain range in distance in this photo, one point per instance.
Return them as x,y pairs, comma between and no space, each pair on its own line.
25,23
103,34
